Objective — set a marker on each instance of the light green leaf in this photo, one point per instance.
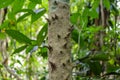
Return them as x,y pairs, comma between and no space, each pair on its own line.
17,5
4,25
36,1
31,5
96,4
5,3
106,4
18,36
2,35
74,18
93,13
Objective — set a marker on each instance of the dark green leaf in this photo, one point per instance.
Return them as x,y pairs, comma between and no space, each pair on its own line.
75,37
18,36
37,14
114,10
29,48
43,78
19,49
100,57
26,10
5,3
22,17
42,34
112,68
43,52
95,67
18,61
110,22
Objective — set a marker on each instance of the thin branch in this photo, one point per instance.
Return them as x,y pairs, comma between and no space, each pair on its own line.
102,21
10,70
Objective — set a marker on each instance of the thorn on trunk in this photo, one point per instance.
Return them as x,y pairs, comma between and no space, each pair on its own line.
58,36
65,45
49,48
55,2
49,22
53,66
63,64
71,28
55,17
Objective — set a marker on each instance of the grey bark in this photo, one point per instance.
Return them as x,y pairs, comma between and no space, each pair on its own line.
59,30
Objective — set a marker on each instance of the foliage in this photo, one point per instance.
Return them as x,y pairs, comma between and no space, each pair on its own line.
26,27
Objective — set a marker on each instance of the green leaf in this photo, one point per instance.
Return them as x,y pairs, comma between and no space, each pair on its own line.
75,37
5,3
2,35
31,5
29,48
19,5
96,4
43,52
36,1
112,68
19,49
26,10
43,78
22,17
93,13
42,34
95,67
18,61
110,22
106,4
37,14
18,36
34,42
11,16
74,18
114,9
4,25
100,56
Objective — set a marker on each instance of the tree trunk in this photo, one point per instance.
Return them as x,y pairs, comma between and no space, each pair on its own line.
59,30
3,45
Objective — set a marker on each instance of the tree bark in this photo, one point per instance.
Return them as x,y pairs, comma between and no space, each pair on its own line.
59,45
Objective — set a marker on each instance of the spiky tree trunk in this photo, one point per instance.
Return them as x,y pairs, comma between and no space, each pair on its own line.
59,54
